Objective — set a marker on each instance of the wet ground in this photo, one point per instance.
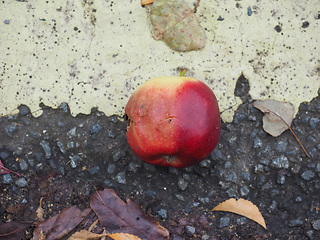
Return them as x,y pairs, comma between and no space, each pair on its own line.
65,159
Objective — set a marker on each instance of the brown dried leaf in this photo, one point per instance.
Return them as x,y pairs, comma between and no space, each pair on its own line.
86,235
13,230
277,117
40,211
242,207
60,224
116,215
176,24
123,236
145,2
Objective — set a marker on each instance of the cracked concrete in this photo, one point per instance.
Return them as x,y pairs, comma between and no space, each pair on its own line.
275,45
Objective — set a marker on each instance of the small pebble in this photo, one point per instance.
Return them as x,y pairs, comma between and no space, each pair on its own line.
295,222
314,122
162,213
273,206
307,175
190,230
95,130
10,129
241,221
121,177
7,179
46,148
183,184
64,107
4,155
111,134
133,167
224,222
53,164
118,155
74,160
72,132
94,170
111,168
257,143
22,182
231,192
281,179
280,162
244,190
281,146
23,110
316,224
298,199
61,147
70,145
23,164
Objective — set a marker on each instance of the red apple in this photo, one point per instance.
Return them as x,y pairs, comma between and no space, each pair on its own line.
173,121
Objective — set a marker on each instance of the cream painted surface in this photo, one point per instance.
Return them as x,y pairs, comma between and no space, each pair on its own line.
95,53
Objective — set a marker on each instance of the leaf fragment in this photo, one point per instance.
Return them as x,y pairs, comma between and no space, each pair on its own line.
4,170
277,117
177,25
242,207
40,211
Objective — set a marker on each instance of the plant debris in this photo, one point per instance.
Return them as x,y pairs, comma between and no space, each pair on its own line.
277,117
242,207
4,170
116,215
60,224
177,25
13,230
119,219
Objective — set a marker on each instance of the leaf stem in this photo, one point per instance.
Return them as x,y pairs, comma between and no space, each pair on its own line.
291,131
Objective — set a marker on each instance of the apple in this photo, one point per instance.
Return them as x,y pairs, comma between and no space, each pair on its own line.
173,121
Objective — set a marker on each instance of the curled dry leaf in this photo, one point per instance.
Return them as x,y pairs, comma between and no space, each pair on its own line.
277,117
177,25
40,211
86,235
145,2
123,236
242,207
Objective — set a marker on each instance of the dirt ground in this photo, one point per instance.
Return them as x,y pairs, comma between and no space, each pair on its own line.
65,159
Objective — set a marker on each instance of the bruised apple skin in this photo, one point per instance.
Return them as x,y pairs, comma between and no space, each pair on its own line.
173,121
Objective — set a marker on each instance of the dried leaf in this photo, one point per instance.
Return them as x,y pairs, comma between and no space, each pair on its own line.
242,207
145,2
177,25
277,117
40,211
60,224
13,230
116,215
123,236
4,170
86,235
